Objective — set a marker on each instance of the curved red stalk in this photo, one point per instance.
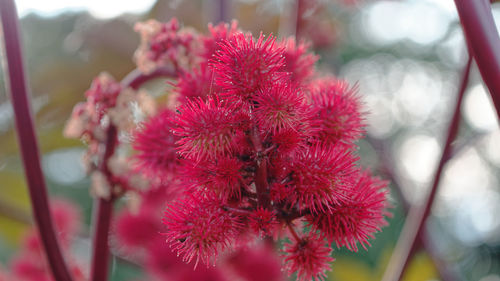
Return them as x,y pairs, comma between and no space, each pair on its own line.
16,85
104,206
414,226
293,232
135,79
482,38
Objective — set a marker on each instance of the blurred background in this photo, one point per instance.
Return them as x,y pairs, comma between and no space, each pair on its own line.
406,56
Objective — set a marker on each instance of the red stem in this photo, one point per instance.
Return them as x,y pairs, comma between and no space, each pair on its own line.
482,38
16,85
445,272
414,226
293,232
261,183
135,79
102,216
100,254
236,211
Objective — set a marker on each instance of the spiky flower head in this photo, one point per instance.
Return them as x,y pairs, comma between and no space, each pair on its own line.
298,61
319,176
207,129
155,146
222,176
280,107
308,257
198,228
243,64
357,219
263,221
337,110
198,83
217,34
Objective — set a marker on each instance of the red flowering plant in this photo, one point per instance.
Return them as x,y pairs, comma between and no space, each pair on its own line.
261,147
258,147
251,148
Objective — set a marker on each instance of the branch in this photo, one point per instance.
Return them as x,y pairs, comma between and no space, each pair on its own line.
482,37
16,85
102,215
261,183
414,226
135,79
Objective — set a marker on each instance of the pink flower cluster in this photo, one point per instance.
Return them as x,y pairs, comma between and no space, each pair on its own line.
260,147
30,263
138,230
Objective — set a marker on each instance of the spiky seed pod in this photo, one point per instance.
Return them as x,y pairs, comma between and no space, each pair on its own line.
155,146
318,176
280,107
308,257
263,221
198,228
216,35
207,129
222,176
242,65
355,221
197,83
298,61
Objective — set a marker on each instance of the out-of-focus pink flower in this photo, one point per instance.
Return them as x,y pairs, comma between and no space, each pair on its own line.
30,263
308,257
164,44
256,263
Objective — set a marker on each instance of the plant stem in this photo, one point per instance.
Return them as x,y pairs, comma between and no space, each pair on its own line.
16,85
102,215
293,232
222,11
236,211
261,183
388,172
100,254
135,79
484,42
414,226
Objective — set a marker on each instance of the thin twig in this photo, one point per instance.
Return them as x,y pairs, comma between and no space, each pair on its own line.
16,85
483,40
414,226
